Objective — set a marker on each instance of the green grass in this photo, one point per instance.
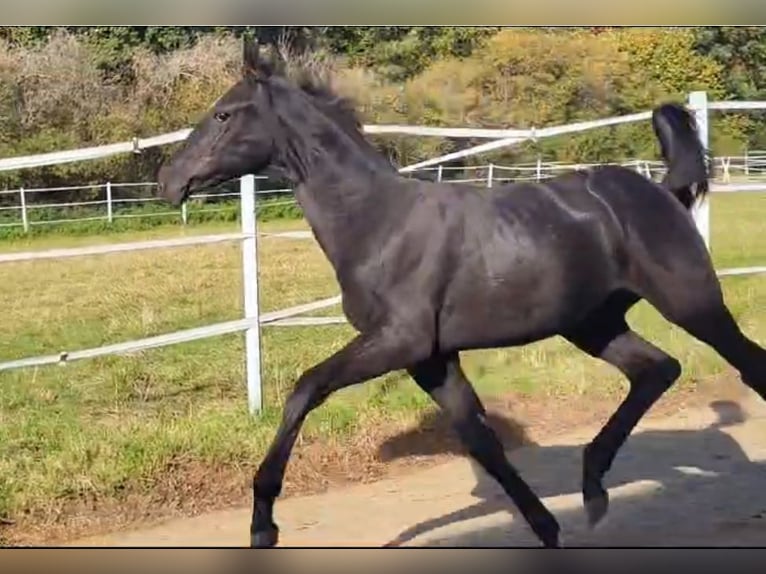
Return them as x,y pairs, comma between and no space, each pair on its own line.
99,429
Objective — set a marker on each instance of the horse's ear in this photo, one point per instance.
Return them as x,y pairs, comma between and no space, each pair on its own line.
252,64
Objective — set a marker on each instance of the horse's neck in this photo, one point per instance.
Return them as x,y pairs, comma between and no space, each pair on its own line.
345,191
346,212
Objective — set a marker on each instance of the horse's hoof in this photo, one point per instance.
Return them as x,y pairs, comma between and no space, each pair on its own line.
547,531
264,538
596,508
554,544
552,540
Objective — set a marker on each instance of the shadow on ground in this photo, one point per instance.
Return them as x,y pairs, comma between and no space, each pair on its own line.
668,488
434,436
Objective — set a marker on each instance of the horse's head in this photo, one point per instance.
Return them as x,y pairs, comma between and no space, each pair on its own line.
236,136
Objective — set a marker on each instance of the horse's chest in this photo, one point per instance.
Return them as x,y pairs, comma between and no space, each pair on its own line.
362,304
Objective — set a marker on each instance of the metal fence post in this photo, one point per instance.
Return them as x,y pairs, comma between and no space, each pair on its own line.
701,211
250,285
439,172
490,174
24,216
109,215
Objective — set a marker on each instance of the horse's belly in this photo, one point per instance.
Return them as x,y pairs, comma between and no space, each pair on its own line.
491,325
534,303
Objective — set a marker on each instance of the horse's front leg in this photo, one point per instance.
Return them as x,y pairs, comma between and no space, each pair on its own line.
366,357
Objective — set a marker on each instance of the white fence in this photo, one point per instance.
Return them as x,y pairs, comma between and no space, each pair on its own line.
110,207
253,319
20,211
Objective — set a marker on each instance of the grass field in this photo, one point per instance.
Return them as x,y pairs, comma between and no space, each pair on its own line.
83,437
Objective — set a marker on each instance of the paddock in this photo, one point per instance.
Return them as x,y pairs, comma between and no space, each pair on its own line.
132,409
680,483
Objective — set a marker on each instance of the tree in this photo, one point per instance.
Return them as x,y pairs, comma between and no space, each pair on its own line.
402,52
742,53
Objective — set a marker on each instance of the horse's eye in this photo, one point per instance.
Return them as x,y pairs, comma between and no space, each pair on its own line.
221,116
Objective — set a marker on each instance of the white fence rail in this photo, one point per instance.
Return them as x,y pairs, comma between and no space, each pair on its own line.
732,173
253,319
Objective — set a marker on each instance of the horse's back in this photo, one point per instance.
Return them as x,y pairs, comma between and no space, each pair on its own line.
532,257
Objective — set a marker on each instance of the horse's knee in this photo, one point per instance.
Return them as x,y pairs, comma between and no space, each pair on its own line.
661,373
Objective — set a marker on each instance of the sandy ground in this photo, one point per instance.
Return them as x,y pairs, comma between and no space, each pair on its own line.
689,480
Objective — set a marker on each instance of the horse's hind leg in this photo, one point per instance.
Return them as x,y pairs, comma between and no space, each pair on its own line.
703,314
725,336
443,379
606,335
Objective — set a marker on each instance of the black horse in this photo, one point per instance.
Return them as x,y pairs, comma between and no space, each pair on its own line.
430,269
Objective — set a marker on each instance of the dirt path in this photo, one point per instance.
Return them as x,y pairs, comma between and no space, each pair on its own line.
681,481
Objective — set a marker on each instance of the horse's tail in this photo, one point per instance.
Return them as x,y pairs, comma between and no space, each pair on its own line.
683,153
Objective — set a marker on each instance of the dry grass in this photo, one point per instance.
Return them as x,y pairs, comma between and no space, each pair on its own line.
56,85
95,435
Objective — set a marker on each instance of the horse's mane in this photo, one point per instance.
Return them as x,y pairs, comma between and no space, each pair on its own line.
313,78
341,108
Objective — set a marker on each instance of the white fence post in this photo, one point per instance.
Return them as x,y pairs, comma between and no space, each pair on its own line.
184,213
250,285
109,215
23,202
439,172
539,170
490,174
698,103
726,165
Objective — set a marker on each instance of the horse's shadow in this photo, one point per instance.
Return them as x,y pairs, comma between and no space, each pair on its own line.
705,479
